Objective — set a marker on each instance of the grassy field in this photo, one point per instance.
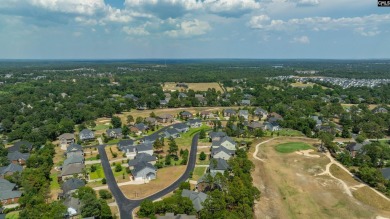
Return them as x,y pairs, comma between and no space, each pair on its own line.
291,147
286,132
365,195
198,172
304,85
54,181
341,174
98,174
168,86
12,215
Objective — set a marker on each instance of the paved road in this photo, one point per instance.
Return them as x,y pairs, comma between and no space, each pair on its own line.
126,206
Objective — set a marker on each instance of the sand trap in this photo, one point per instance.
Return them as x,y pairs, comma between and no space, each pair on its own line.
306,153
380,217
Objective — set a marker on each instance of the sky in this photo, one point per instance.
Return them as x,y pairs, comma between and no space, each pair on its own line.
185,29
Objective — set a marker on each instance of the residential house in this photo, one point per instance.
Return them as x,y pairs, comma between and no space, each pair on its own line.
229,112
216,136
163,103
206,115
76,158
317,120
254,125
165,118
86,135
142,157
182,95
21,146
172,132
206,183
130,151
195,123
139,128
260,112
181,127
71,170
131,96
143,171
218,165
380,110
186,115
178,216
8,192
197,198
73,206
145,148
74,150
272,126
201,99
18,158
244,114
222,152
10,169
125,143
142,106
245,103
226,142
70,186
66,139
355,147
150,121
150,139
114,133
386,173
274,115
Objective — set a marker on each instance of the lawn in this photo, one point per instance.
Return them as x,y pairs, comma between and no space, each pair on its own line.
285,132
198,172
12,215
101,127
291,147
202,162
98,174
54,181
367,196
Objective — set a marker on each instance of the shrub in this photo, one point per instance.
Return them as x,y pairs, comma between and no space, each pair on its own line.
105,194
104,181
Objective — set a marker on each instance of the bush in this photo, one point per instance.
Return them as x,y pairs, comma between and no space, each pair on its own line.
202,156
104,181
98,157
93,168
118,167
105,194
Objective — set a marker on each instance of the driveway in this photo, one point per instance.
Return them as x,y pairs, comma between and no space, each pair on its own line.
125,205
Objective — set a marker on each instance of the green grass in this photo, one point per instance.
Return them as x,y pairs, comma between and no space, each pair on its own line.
285,132
113,141
54,181
98,174
101,127
198,172
12,215
91,158
291,147
120,173
202,162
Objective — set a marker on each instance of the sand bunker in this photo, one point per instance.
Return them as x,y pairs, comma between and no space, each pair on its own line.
306,153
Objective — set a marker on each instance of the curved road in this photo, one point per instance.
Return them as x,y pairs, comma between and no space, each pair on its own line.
125,205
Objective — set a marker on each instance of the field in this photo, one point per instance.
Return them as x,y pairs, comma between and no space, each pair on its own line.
168,86
291,147
165,177
307,84
98,174
12,215
198,172
298,186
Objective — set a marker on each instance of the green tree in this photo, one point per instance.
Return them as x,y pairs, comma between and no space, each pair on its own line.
125,131
146,209
202,134
130,119
139,120
90,206
202,156
118,167
173,148
116,122
105,194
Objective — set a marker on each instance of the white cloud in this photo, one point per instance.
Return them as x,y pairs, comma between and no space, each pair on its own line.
136,31
233,8
258,22
85,7
117,15
189,28
367,33
301,40
306,2
321,23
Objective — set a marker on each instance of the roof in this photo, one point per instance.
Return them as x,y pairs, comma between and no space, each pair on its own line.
178,216
163,102
73,205
6,185
245,101
86,132
172,131
72,184
117,131
73,159
197,198
230,111
140,166
124,143
165,116
66,136
386,173
144,147
223,139
254,124
141,126
74,147
180,126
17,145
16,155
11,168
4,195
71,169
259,110
194,121
243,112
142,157
357,146
217,134
150,119
186,113
215,151
218,164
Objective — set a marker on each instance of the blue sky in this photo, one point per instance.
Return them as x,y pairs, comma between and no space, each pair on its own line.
126,29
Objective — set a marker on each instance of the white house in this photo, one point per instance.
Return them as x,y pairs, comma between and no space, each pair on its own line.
144,171
226,142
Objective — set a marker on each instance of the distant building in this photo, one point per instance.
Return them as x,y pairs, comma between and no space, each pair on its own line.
86,135
197,198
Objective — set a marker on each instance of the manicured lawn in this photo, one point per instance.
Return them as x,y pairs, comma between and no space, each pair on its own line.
113,141
101,127
202,162
12,215
98,174
91,158
54,182
291,147
198,172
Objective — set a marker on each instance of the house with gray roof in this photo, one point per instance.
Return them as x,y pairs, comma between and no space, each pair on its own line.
73,159
386,173
165,118
8,192
163,103
73,206
178,216
197,198
245,103
66,139
182,95
10,169
380,110
114,133
244,114
172,132
181,127
222,152
125,143
143,171
151,121
145,148
194,123
74,150
218,165
86,135
254,125
186,115
216,136
356,147
18,158
130,151
142,157
226,142
139,128
21,146
229,112
260,112
70,170
71,185
272,126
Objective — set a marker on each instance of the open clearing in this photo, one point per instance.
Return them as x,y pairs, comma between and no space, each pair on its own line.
168,86
291,147
165,177
296,186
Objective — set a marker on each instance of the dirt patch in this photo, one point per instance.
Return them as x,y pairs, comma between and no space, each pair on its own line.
341,174
168,86
165,177
306,153
111,150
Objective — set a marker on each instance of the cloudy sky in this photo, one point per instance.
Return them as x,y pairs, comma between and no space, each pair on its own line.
112,29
